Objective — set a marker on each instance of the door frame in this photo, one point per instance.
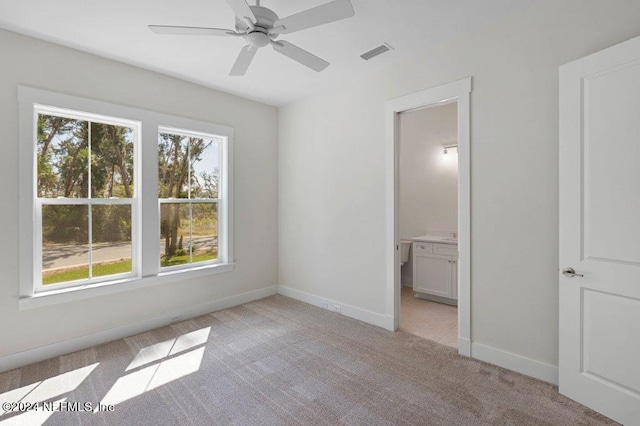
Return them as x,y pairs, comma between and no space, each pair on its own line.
459,91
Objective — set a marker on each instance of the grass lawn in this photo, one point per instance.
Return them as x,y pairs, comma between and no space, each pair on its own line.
112,268
82,272
181,260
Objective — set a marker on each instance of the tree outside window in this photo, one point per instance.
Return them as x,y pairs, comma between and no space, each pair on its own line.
188,189
85,190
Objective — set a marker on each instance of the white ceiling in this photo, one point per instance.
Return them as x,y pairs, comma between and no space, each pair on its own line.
117,29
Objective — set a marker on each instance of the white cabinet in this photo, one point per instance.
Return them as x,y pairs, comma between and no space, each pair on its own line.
435,271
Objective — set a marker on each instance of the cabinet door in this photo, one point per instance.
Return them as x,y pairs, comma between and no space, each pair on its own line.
433,275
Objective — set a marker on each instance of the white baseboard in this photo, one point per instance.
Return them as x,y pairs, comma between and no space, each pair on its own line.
374,318
464,346
517,363
20,359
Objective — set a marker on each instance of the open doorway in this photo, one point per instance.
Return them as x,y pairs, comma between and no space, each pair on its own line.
428,214
457,94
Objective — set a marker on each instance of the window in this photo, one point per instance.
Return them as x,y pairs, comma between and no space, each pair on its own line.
119,196
85,196
188,181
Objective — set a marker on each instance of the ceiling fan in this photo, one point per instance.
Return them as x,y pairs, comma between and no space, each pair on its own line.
261,26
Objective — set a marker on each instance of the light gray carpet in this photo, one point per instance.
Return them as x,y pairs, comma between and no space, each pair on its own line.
278,361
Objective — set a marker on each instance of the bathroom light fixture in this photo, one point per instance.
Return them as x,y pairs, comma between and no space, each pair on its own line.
450,147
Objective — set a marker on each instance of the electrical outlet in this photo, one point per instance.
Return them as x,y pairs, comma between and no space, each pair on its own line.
175,318
336,308
325,305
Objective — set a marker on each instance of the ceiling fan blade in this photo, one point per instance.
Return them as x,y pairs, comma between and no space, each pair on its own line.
244,60
300,55
175,30
242,10
330,12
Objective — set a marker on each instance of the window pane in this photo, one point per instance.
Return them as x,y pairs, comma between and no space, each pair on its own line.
111,240
205,168
174,234
111,161
62,157
204,232
65,243
173,166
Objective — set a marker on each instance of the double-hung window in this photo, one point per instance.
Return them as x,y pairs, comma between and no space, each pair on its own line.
188,190
118,195
86,192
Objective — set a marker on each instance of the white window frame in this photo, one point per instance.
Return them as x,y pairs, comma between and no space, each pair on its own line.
147,272
189,200
133,202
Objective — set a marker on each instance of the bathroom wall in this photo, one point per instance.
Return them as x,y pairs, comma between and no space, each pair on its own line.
428,177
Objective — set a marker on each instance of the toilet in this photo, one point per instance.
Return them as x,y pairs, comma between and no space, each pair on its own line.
405,245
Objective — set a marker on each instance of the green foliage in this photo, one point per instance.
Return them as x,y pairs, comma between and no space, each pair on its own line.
62,149
181,175
82,159
111,223
64,170
111,161
65,224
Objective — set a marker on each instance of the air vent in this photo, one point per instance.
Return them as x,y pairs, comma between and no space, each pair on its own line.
376,51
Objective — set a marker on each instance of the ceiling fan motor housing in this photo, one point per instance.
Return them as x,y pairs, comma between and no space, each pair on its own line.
265,19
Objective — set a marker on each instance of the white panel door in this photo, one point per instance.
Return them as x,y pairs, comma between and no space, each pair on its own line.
599,359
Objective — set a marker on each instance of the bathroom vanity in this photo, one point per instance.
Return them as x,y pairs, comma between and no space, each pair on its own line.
435,268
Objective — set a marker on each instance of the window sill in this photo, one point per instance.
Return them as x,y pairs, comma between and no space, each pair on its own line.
65,295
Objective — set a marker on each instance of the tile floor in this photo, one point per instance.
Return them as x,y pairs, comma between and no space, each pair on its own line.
430,320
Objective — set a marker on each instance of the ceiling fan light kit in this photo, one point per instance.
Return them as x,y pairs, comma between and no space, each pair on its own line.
261,26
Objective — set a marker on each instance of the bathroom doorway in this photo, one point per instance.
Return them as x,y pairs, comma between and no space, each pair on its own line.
428,214
440,252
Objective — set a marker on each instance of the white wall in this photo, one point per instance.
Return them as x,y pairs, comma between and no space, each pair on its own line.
428,178
332,171
31,62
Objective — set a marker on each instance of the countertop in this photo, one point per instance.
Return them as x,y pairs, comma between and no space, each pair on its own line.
435,239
